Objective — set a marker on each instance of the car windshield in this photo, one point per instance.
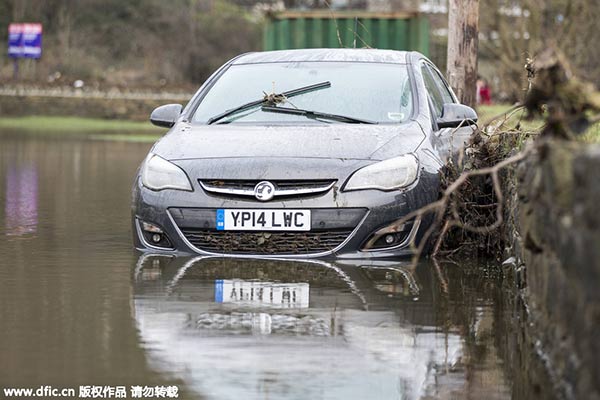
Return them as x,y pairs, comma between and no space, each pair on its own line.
371,91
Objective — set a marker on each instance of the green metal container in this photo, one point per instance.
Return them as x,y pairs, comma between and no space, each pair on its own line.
398,31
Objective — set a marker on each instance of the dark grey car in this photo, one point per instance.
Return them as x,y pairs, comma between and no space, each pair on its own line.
300,153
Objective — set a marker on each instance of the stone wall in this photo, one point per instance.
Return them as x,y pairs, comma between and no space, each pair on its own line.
557,237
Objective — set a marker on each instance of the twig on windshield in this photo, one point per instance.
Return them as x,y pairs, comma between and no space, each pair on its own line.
273,99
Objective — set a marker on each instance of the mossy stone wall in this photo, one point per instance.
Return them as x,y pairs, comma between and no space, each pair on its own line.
557,227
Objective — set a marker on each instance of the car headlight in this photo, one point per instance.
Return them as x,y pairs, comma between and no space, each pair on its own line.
389,174
159,174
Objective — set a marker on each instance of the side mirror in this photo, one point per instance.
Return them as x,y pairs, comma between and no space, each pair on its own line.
455,115
166,115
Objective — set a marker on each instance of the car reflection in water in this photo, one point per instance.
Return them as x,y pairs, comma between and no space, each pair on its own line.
273,329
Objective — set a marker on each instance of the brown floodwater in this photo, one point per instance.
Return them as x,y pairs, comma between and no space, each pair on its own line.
79,307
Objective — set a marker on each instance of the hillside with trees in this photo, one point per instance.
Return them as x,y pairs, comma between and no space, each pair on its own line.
134,42
178,43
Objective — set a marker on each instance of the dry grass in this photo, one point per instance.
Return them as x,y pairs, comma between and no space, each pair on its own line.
518,121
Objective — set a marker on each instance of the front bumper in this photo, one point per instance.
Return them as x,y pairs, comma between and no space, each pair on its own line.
174,211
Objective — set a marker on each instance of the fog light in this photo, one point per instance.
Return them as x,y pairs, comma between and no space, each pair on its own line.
392,236
154,235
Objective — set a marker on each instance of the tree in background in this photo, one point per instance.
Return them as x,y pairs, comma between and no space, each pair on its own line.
129,42
463,39
513,30
116,42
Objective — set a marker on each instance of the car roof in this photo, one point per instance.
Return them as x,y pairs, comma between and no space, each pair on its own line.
339,55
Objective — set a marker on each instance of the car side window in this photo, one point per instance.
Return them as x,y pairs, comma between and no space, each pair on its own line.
441,85
406,98
437,101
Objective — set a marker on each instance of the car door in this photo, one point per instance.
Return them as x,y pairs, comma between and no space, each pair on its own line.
448,140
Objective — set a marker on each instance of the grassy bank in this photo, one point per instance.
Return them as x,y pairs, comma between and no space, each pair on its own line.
99,129
76,124
518,117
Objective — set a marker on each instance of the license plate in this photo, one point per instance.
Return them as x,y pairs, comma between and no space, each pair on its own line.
263,220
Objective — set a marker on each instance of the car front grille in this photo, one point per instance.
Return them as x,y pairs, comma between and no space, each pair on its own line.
251,183
283,188
265,243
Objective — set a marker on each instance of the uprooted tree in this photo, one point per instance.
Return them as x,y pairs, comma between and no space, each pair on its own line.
471,207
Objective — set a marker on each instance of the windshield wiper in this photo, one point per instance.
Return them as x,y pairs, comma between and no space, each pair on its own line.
270,100
316,115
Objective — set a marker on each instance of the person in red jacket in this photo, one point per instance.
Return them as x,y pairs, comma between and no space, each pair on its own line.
484,93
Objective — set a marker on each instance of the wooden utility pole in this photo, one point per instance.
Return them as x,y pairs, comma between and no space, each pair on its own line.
463,40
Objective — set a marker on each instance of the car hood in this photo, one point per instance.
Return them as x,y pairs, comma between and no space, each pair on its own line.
335,141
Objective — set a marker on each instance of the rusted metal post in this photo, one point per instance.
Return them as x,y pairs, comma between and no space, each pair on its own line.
463,40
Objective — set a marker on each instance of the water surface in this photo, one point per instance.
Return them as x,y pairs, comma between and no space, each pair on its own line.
79,307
